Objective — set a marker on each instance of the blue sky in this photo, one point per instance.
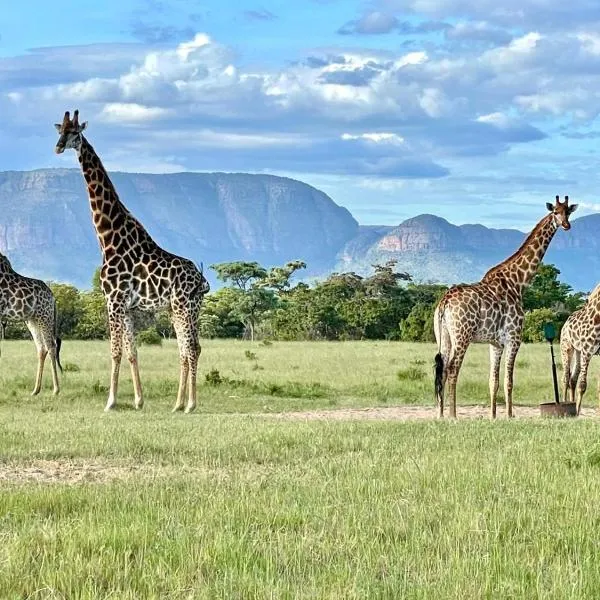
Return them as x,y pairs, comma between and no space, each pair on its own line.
476,111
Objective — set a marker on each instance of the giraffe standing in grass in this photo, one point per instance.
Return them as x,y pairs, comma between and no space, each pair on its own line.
492,311
579,341
136,273
32,301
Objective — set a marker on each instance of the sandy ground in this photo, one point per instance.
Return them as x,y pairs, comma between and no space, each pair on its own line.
410,413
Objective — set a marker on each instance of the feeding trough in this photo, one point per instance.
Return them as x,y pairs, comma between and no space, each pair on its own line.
556,408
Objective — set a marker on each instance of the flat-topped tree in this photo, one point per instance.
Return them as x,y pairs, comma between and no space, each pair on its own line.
32,301
136,273
492,311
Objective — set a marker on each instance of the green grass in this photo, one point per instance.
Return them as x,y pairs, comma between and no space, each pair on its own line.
221,504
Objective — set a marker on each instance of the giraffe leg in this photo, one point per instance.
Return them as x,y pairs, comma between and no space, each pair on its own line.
116,327
131,352
50,345
36,334
582,383
566,354
179,326
454,365
495,358
512,348
575,370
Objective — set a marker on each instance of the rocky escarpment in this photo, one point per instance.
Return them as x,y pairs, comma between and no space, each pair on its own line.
46,229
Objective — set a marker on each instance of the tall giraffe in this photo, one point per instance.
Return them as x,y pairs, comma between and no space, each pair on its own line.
32,301
492,311
136,273
579,341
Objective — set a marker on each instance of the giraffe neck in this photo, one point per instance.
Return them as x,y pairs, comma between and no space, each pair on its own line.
109,214
521,267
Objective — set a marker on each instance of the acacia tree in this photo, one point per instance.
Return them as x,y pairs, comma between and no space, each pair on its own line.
255,289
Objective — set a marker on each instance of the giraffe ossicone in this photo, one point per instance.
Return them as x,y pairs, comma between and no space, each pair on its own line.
492,311
136,273
32,301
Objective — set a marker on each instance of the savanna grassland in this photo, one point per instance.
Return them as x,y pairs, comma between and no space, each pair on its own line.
230,502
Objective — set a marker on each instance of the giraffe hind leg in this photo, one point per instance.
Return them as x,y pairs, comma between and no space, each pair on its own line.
184,322
131,352
115,325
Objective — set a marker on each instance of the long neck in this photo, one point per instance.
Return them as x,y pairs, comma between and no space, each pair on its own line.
5,266
108,212
522,265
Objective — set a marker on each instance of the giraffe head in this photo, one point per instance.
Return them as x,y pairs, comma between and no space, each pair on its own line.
561,212
70,133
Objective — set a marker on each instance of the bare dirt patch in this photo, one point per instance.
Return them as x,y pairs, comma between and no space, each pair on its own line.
409,413
65,471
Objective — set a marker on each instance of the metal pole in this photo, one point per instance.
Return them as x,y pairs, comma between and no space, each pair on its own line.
554,379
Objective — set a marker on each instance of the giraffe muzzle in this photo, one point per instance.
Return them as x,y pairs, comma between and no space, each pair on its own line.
59,149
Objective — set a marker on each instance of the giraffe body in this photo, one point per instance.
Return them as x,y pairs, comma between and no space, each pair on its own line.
31,300
579,341
491,311
137,273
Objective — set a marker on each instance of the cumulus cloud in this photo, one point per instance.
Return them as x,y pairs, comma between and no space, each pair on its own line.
356,112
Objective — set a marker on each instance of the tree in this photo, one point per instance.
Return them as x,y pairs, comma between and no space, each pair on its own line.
69,308
534,321
418,326
545,290
241,274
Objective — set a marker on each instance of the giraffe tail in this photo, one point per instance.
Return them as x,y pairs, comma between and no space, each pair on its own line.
438,361
57,340
439,375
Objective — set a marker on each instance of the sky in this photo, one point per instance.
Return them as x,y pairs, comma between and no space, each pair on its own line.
474,111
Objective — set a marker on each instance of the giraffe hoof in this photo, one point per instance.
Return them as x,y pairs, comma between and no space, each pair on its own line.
139,404
190,409
56,392
35,392
109,407
177,408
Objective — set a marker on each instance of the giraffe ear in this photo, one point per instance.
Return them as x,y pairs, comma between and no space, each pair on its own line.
58,127
572,208
83,126
549,206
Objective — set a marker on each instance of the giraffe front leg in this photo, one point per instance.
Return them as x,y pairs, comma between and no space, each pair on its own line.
41,352
582,383
512,348
184,322
131,351
574,374
180,332
495,358
115,325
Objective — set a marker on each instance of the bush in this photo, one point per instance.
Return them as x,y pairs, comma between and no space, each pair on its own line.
533,325
149,337
70,367
213,377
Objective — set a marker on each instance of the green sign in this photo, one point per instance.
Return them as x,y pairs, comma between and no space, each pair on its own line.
549,331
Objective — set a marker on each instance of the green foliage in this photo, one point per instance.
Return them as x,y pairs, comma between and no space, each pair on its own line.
418,326
70,367
149,337
69,307
533,324
213,377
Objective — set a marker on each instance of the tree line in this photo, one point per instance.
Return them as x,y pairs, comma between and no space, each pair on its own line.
257,302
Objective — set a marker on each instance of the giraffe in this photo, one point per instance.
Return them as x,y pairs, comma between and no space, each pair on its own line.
136,273
492,311
579,341
32,301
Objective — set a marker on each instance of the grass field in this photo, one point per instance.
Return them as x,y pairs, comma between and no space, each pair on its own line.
229,503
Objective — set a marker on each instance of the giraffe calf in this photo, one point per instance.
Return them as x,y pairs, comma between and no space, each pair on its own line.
579,341
32,301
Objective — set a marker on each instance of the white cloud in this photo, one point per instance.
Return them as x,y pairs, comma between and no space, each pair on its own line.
118,112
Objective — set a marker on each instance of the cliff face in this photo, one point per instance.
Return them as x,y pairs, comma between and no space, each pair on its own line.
46,229
47,232
431,249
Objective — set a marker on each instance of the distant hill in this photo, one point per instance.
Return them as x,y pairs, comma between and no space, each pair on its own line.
432,249
46,229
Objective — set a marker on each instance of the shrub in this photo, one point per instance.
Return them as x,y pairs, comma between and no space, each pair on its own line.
70,367
410,374
213,377
149,337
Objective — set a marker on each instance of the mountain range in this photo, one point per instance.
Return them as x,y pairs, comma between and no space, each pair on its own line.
46,229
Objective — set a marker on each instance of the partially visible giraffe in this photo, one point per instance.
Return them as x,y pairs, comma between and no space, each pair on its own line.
32,301
136,273
579,341
492,311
